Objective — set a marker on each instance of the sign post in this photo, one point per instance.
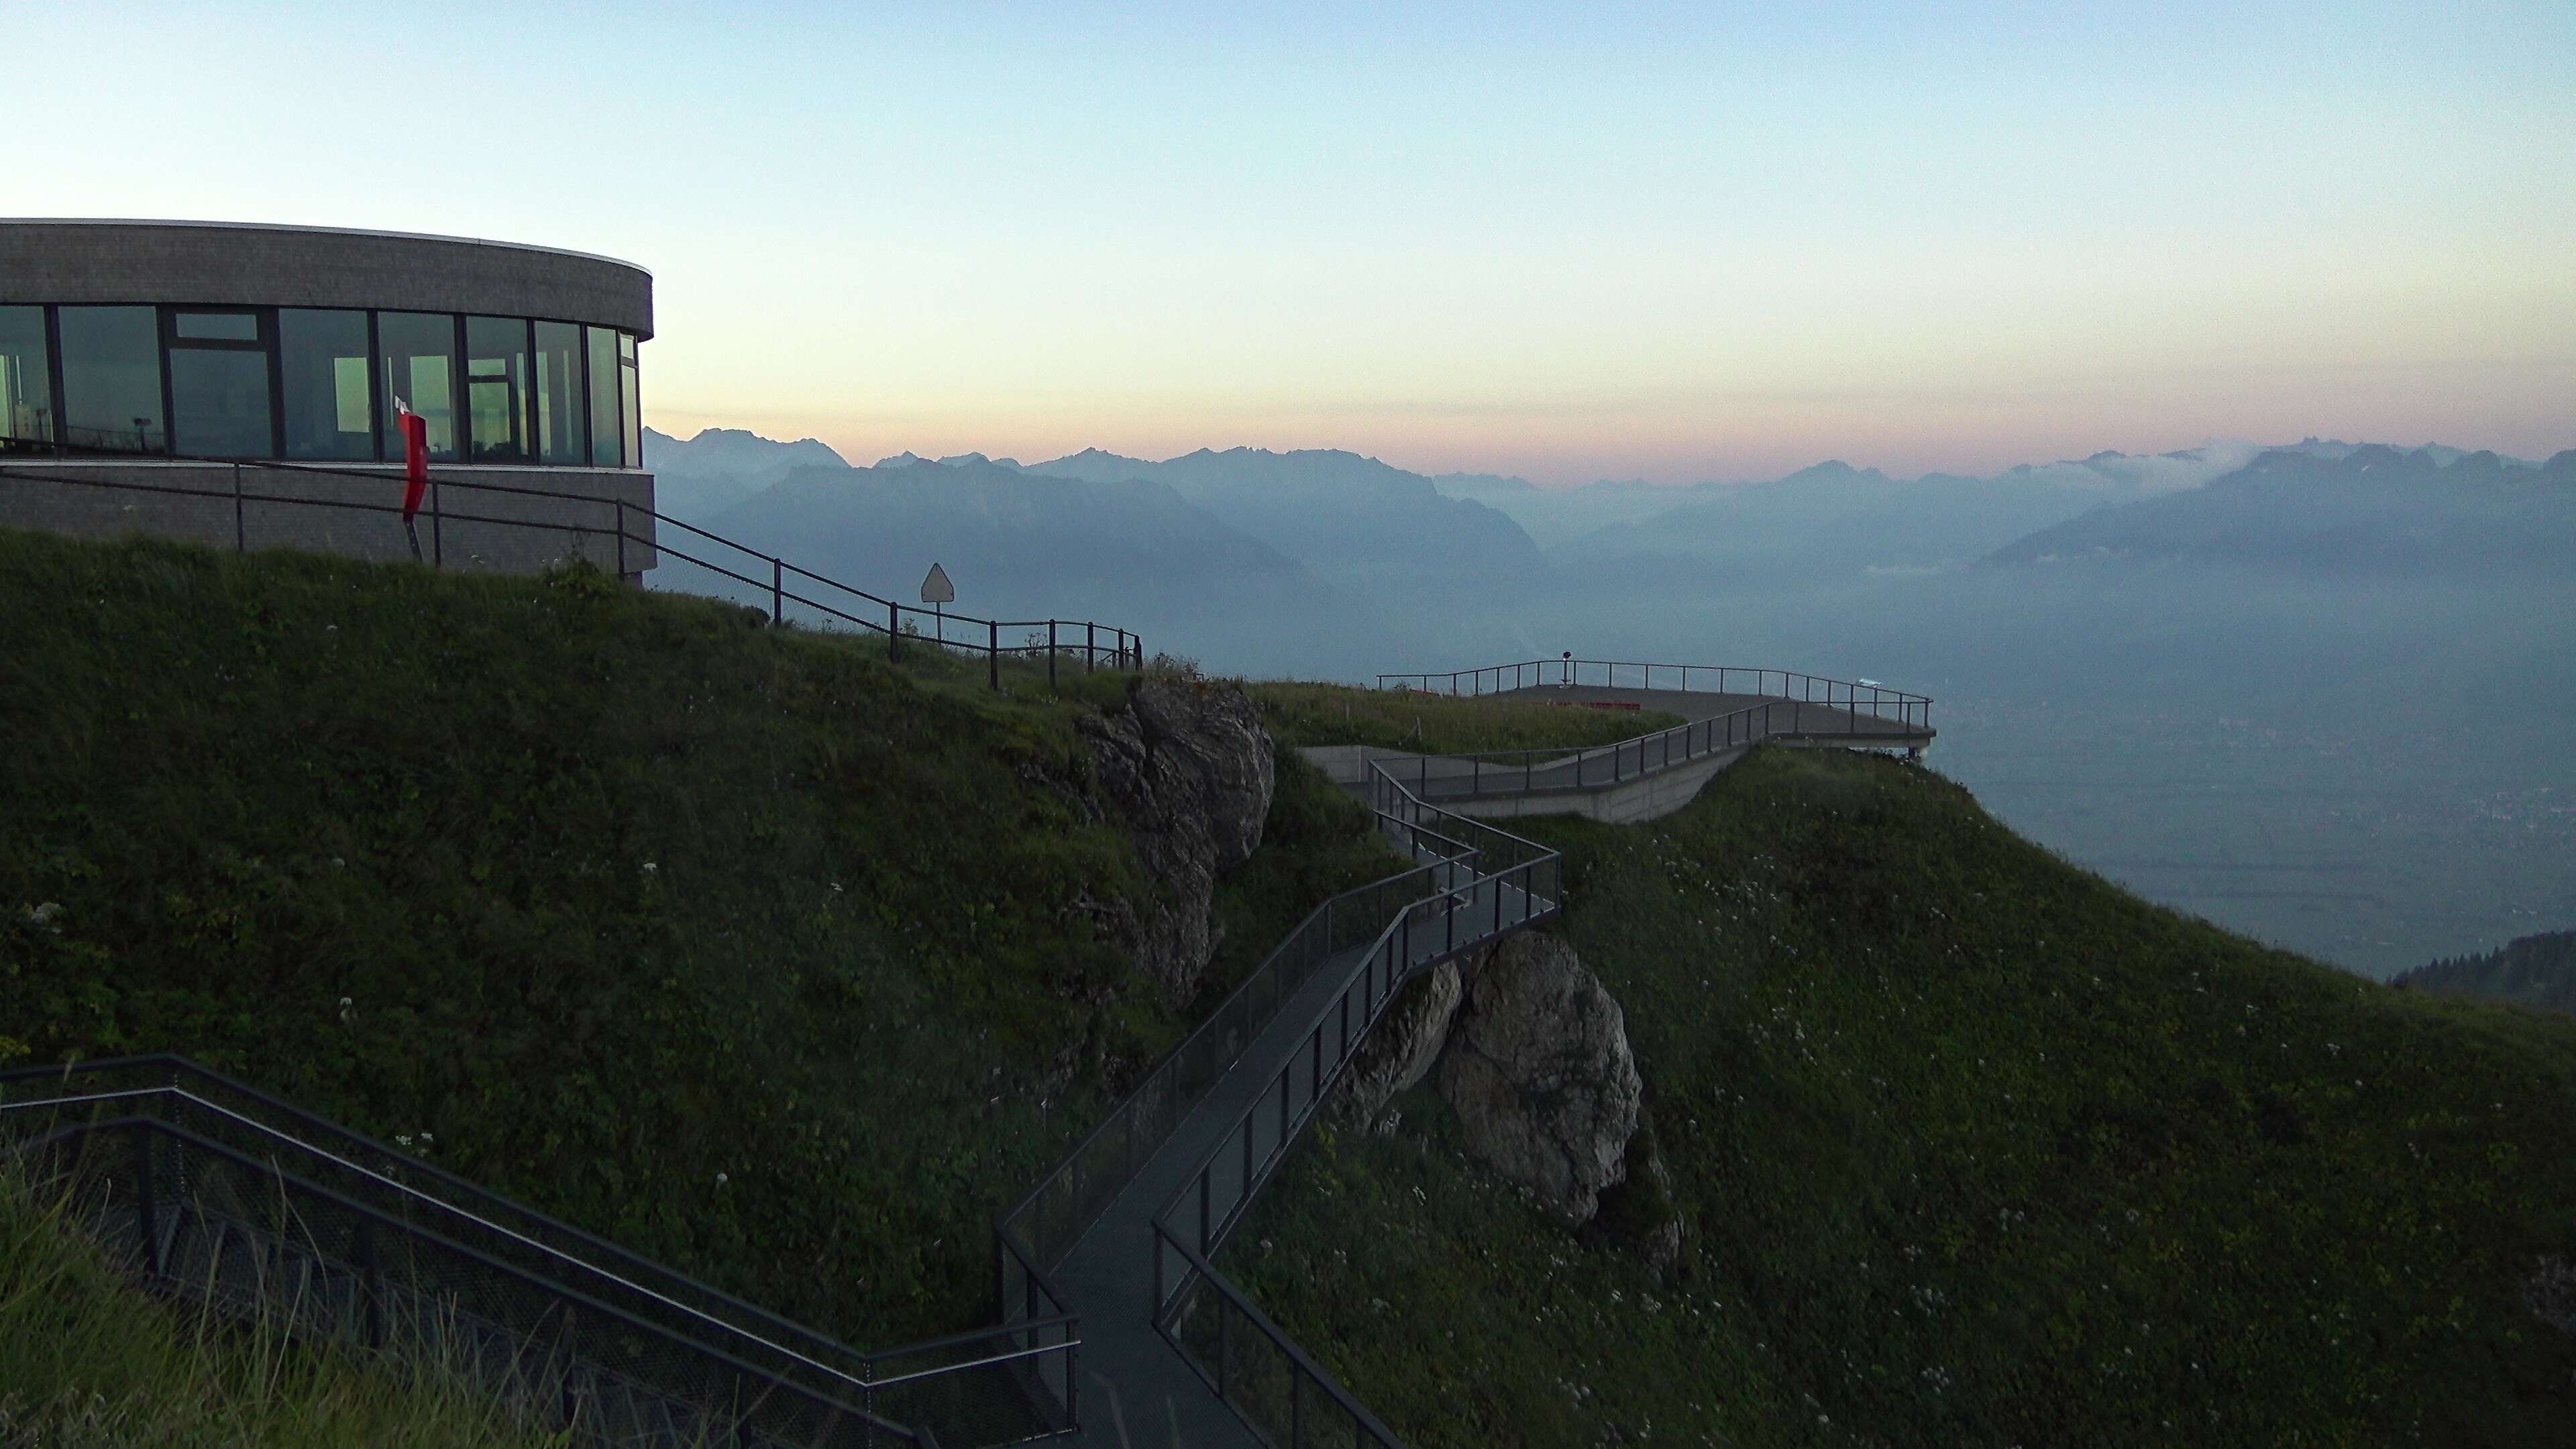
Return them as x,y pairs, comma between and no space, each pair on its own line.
937,591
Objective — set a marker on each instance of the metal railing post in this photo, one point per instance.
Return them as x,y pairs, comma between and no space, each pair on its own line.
1090,647
777,592
993,653
1051,654
372,1274
148,1212
894,631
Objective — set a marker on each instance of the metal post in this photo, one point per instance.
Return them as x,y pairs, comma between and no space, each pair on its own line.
1050,653
1090,647
993,653
777,592
374,1276
149,1215
894,631
239,537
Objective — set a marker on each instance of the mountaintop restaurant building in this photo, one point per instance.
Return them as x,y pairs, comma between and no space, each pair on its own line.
191,362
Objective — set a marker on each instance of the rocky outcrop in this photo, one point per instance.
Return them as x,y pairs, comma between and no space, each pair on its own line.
1539,1071
1188,770
1404,1046
1641,1214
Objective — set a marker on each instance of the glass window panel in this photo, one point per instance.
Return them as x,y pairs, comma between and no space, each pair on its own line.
631,402
418,350
26,382
496,388
563,423
605,450
219,402
112,379
217,326
330,413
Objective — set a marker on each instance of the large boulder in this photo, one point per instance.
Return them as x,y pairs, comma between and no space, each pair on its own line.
1404,1045
1188,769
1539,1071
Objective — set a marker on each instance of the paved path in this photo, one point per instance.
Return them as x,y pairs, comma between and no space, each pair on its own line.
1108,1277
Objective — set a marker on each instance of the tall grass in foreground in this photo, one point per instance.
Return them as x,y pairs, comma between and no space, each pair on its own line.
88,1360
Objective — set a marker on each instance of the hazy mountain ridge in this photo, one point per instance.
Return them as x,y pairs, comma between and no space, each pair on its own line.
2370,509
696,478
1348,516
2527,971
1130,553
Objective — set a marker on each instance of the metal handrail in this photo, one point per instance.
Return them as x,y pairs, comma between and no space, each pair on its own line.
1377,976
1120,648
769,1379
1365,1426
575,1254
1656,750
1568,673
455,1193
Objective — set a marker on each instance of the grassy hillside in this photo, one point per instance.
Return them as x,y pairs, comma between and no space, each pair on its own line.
740,946
1976,1149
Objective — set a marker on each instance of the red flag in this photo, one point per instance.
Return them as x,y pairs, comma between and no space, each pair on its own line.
415,431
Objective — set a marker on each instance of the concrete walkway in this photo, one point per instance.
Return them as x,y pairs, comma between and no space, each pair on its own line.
1137,1390
1639,779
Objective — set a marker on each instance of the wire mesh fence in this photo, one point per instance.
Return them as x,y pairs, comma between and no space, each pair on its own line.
466,524
254,1182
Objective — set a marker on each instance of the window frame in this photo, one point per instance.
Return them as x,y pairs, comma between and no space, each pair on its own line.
264,322
270,346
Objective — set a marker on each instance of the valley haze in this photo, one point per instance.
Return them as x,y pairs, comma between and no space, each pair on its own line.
2311,691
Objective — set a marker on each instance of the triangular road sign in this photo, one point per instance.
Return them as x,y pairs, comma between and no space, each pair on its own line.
936,589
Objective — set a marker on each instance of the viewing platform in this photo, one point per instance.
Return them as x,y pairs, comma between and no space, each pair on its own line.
1727,711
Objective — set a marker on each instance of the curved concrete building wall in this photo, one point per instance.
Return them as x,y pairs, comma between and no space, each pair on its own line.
525,471
215,263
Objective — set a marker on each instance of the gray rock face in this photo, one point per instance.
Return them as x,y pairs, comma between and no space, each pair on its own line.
1539,1071
1189,771
1403,1047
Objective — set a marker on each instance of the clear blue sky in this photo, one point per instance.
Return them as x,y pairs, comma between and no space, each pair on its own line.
1598,240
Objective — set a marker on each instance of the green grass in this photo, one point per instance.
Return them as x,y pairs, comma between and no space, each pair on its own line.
88,1361
740,946
1332,714
1976,1149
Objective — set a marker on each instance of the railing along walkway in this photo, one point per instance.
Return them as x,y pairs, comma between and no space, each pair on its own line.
1180,1350
214,1192
620,533
1721,723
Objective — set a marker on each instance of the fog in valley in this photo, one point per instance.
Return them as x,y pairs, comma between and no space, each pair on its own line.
2315,693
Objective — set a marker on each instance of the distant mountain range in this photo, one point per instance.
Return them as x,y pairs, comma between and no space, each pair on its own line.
1021,545
1395,564
2528,971
695,479
2366,510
